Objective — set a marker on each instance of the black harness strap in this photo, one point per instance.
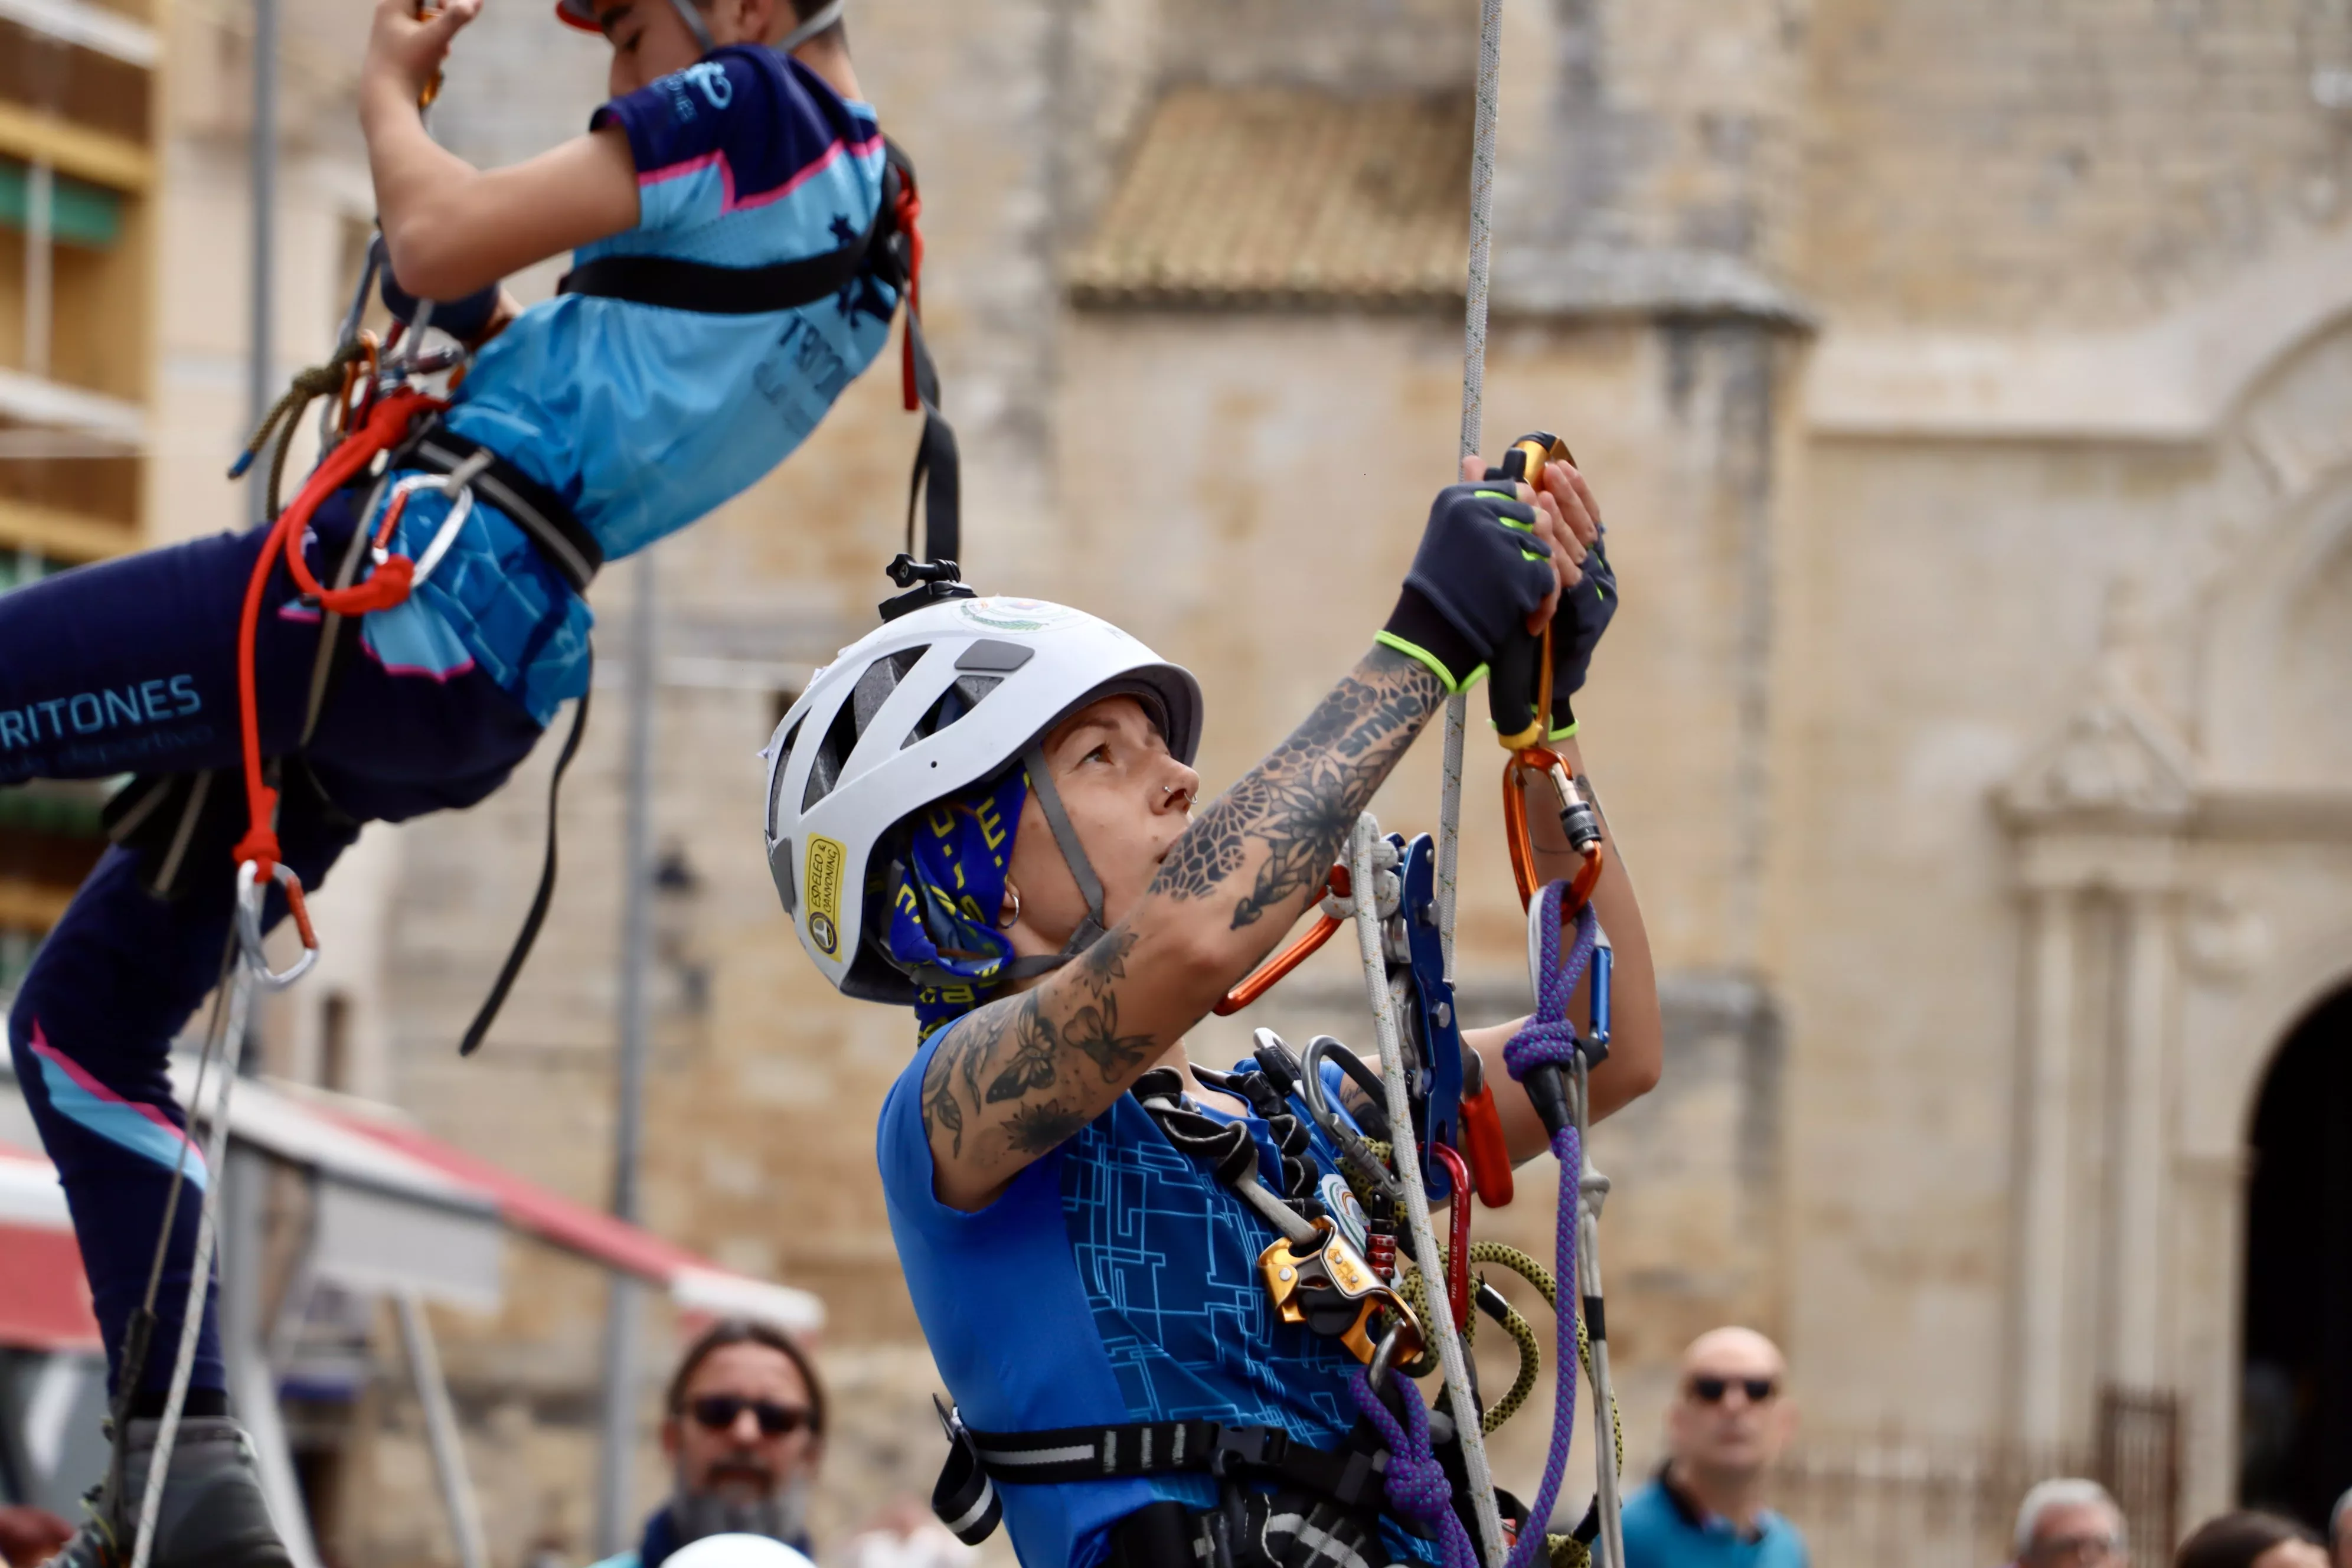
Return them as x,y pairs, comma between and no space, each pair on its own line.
529,936
674,284
563,539
965,1500
891,248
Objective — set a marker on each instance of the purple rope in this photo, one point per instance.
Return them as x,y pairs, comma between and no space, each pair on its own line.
1416,1482
1550,1038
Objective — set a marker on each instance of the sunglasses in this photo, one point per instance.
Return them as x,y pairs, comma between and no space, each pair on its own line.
1711,1390
720,1412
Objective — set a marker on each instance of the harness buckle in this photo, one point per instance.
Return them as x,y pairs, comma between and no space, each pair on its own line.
1259,1447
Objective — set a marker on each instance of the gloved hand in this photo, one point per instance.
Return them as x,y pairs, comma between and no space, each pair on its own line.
461,319
1576,627
1480,572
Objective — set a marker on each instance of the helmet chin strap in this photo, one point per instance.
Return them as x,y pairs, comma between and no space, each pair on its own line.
1082,870
692,14
825,18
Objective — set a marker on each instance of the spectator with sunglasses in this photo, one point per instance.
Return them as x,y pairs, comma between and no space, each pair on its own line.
1727,1426
744,1433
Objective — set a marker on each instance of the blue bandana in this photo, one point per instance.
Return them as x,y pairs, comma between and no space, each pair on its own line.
945,895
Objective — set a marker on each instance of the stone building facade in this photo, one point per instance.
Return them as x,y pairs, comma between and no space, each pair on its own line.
1966,389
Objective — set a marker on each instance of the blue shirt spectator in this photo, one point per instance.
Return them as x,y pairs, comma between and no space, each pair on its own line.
1725,1428
1667,1528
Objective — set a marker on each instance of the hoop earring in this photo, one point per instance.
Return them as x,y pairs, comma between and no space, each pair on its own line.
1004,921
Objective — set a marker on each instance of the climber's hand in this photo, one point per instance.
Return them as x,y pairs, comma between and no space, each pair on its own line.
404,50
1483,569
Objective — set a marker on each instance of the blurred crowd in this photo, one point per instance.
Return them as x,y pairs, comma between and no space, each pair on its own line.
744,1423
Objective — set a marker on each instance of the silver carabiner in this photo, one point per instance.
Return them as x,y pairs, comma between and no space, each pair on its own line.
249,896
458,484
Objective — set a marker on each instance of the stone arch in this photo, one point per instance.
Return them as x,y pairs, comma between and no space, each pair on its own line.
2289,587
2295,1446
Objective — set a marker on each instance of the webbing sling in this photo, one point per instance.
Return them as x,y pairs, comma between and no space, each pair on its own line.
892,250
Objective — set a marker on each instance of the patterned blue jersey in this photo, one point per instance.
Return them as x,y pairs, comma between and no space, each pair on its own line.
1114,1281
644,418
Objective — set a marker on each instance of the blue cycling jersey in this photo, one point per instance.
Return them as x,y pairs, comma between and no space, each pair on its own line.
644,418
1114,1281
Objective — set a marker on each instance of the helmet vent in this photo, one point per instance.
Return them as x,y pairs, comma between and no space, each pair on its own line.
865,698
958,700
776,784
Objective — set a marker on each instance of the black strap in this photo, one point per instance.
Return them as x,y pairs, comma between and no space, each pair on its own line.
1162,1534
965,1502
674,284
524,939
563,539
938,468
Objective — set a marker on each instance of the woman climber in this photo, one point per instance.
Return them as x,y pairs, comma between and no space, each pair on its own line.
733,165
985,809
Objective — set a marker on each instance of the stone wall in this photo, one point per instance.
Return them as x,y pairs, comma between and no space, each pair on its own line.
1857,605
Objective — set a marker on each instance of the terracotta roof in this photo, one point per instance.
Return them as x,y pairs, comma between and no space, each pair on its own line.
1285,197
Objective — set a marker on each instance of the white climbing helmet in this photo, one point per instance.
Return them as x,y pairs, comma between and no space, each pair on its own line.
738,1551
941,698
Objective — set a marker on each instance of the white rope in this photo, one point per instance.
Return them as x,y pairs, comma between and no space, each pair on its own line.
1474,413
167,1430
1439,1324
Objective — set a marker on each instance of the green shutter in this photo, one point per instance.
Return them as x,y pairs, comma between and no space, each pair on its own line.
80,213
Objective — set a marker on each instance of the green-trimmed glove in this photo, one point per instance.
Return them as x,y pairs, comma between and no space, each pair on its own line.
1576,627
1479,573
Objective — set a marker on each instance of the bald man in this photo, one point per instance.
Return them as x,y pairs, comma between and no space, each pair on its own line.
1730,1417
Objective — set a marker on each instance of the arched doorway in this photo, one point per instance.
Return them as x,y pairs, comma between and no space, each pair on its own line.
2296,1452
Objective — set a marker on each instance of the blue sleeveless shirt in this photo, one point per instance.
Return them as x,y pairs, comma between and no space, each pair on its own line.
1114,1281
645,418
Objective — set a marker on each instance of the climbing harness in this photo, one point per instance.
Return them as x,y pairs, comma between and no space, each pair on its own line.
385,407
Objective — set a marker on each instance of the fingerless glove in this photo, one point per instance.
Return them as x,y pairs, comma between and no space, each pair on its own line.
1479,572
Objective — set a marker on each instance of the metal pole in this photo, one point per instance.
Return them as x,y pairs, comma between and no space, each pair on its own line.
615,1456
441,1430
260,376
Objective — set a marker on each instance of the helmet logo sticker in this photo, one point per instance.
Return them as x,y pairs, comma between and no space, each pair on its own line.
825,862
1008,615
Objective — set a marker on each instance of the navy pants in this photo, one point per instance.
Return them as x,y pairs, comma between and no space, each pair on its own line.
131,666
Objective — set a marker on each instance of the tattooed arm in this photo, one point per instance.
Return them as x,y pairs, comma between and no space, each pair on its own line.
1020,1074
1635,1033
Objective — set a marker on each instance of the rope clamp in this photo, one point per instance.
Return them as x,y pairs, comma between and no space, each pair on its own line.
249,895
1332,1289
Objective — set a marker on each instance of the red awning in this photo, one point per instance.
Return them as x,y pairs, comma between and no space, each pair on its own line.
405,1197
44,1297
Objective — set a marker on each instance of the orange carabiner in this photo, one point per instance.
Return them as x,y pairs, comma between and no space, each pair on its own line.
1545,761
1289,958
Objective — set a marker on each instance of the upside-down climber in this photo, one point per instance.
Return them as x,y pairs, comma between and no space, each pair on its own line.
1079,1220
743,241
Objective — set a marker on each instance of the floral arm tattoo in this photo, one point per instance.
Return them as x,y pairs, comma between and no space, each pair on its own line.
1020,1074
